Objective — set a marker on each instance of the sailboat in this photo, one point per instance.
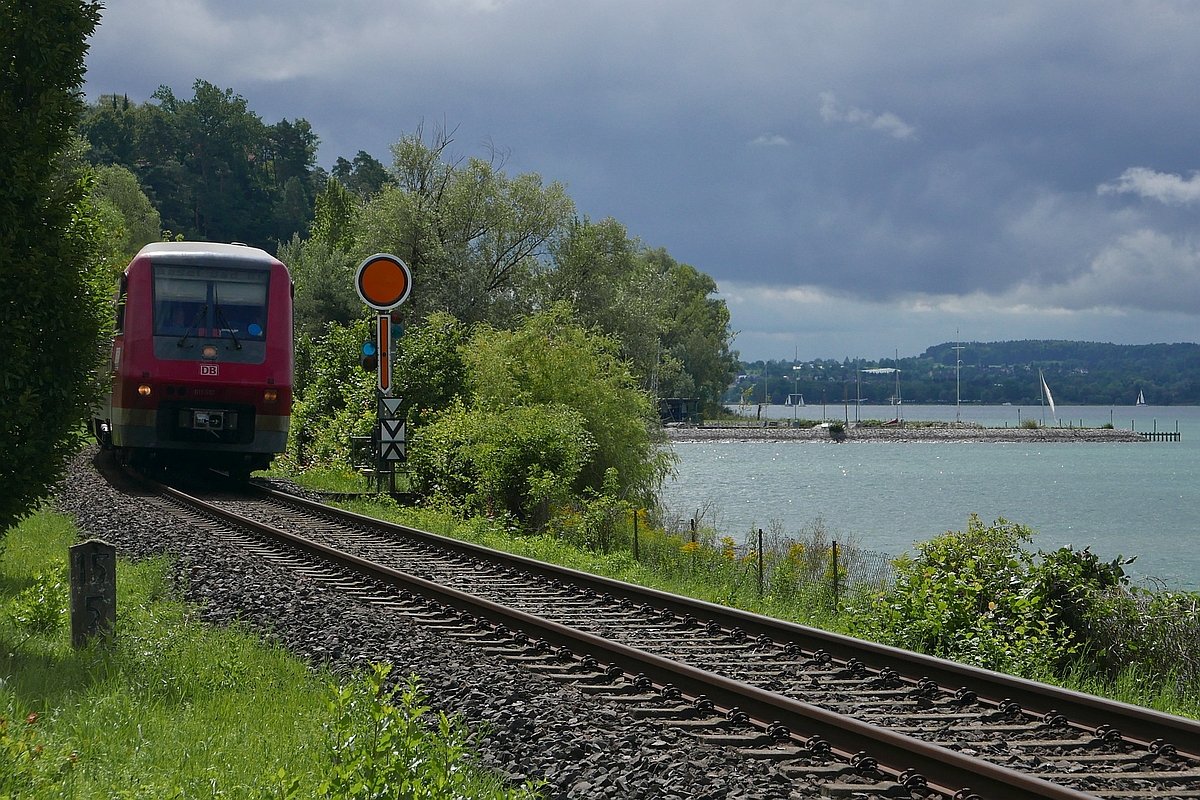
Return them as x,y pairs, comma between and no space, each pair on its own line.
1141,401
1048,397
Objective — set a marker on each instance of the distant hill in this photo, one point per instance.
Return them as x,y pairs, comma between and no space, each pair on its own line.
1084,373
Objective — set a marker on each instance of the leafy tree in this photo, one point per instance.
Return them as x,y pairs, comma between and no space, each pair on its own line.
334,216
549,361
601,273
697,332
50,266
429,366
139,222
674,334
364,176
211,166
324,277
472,236
334,398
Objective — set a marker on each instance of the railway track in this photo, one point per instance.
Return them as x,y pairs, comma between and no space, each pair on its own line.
847,714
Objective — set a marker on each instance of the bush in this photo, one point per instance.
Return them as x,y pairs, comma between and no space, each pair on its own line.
521,461
965,596
980,596
1030,423
548,361
334,398
381,747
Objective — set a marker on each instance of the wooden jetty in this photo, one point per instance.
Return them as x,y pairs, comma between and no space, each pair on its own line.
1161,436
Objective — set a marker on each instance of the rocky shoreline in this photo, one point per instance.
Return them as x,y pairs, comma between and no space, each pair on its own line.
947,433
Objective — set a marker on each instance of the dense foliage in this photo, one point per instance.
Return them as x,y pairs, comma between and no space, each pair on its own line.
660,312
523,460
213,169
51,264
383,745
549,361
1085,373
519,422
982,597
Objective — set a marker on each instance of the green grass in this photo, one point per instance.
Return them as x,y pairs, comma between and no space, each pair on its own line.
176,708
330,479
663,564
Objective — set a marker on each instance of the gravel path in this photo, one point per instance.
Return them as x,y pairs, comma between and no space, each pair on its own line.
540,729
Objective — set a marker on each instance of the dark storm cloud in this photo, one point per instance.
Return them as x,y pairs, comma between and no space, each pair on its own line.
1037,155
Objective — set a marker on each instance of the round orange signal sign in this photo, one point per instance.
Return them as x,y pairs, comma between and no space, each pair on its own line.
383,281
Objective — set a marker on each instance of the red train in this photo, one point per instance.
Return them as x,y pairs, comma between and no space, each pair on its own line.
202,358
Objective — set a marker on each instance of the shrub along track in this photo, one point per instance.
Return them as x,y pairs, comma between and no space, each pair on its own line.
831,710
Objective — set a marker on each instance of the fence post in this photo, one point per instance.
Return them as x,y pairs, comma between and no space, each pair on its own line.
760,564
835,577
692,569
636,554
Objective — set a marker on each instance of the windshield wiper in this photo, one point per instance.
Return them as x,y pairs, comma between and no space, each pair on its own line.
221,318
195,322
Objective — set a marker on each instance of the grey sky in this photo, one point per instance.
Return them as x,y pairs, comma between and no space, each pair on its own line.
857,176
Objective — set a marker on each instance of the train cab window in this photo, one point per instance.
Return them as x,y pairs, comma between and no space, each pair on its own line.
210,303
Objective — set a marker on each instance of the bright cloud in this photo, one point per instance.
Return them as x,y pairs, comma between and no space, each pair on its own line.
1162,186
1145,269
887,122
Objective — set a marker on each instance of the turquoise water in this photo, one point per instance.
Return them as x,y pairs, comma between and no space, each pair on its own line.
1128,499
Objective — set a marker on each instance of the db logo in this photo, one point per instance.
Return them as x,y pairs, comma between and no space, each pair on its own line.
208,369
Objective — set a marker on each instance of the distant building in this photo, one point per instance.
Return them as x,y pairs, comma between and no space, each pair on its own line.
679,409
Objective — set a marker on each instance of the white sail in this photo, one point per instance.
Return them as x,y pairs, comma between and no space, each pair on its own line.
1049,397
1141,401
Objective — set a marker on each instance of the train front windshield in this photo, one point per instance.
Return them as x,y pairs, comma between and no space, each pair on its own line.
210,303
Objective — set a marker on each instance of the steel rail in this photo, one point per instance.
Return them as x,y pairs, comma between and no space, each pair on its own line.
1137,725
946,771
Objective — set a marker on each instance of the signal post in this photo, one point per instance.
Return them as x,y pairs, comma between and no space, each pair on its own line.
384,283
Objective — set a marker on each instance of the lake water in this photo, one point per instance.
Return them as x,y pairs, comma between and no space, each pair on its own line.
1128,499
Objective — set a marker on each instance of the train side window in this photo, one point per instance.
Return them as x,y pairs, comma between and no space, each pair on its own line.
122,291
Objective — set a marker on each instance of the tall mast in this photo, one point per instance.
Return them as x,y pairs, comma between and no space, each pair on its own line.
957,386
857,388
899,399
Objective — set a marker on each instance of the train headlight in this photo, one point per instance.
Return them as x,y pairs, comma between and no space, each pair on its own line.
270,395
144,389
209,351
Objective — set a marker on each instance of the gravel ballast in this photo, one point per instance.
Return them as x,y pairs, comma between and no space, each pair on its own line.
538,729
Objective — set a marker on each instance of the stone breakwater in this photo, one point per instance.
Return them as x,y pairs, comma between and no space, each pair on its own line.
950,433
